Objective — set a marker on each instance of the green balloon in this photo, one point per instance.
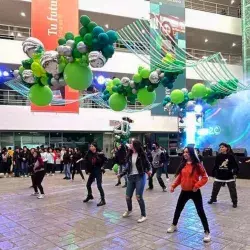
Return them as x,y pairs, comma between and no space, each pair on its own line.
76,53
69,36
21,69
177,96
84,20
199,90
145,97
83,31
40,95
190,96
145,73
78,39
117,102
78,77
116,81
137,78
88,39
116,168
62,41
91,26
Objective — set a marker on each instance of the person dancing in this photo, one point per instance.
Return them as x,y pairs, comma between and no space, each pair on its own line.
225,170
94,161
188,176
136,169
77,159
39,173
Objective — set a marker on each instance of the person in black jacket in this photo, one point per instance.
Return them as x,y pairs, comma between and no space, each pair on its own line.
24,156
77,159
67,164
16,162
120,159
94,161
136,169
225,171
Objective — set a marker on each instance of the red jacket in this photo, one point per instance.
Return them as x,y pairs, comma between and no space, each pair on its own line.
188,181
39,165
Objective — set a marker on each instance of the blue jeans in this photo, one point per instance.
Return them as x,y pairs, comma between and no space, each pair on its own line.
24,168
67,170
121,169
136,182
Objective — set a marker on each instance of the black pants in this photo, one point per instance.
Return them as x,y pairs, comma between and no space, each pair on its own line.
158,172
61,167
96,174
37,181
232,190
77,167
197,199
50,168
6,168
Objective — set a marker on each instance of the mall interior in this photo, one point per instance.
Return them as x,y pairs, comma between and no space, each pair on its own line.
141,90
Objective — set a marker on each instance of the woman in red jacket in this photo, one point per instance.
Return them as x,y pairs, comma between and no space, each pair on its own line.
39,173
191,175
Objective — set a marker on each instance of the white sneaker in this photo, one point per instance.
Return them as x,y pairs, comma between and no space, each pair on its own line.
126,214
207,237
164,190
25,176
142,219
172,229
53,174
21,176
35,194
40,196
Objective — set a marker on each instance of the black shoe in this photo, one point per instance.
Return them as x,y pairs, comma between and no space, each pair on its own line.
89,197
211,201
124,186
101,203
117,184
234,205
149,189
65,178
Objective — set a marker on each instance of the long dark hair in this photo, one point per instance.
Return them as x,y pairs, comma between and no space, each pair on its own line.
194,159
229,149
138,148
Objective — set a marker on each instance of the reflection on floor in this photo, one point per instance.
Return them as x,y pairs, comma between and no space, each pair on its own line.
62,221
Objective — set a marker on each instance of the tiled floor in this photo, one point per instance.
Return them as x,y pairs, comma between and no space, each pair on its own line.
62,221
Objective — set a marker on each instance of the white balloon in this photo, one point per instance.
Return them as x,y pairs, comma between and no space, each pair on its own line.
162,75
60,50
158,71
67,50
184,90
70,43
154,77
134,91
70,59
125,81
50,62
16,72
132,84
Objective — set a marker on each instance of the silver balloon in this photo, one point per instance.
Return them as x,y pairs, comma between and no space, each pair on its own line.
57,76
67,50
154,77
158,71
50,62
60,50
134,91
132,84
31,45
16,72
162,75
81,47
184,90
70,43
125,81
96,59
54,81
28,76
70,59
190,105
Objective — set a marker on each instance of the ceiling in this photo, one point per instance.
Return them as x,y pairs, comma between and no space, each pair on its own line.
218,42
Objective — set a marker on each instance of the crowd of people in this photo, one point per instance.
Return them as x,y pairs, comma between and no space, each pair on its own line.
136,164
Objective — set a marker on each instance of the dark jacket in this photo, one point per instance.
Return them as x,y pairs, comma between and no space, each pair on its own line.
120,156
94,161
225,167
76,156
38,165
66,158
24,155
142,164
16,158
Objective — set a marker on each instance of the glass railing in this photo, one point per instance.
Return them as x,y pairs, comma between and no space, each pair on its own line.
212,7
11,97
20,33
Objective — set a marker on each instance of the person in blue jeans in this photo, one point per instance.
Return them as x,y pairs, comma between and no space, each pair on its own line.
67,164
24,156
136,168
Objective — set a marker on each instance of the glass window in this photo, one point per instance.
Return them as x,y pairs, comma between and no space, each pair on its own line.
56,140
31,139
7,140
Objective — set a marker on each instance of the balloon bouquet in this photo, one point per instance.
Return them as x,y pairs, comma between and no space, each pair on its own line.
68,65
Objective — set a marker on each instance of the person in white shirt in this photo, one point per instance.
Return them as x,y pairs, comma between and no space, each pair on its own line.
61,157
50,162
44,153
